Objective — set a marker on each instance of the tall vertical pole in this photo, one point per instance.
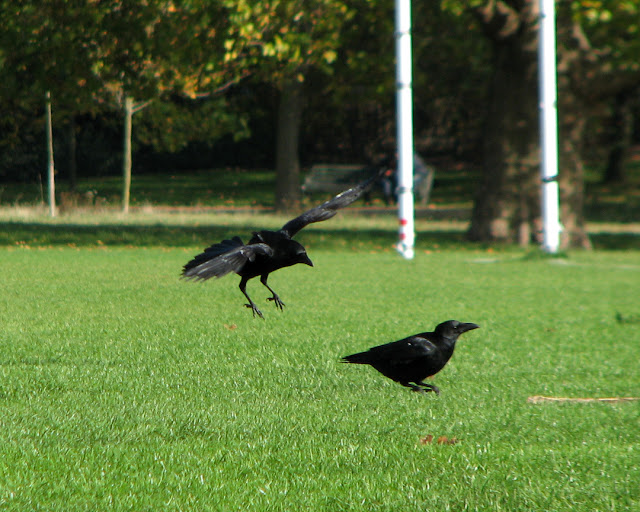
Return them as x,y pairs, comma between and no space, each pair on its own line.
50,161
549,126
404,115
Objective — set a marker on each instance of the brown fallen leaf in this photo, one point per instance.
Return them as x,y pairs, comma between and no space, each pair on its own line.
448,440
428,439
231,327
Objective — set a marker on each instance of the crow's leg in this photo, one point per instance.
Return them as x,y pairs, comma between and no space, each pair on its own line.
424,389
243,289
274,297
429,387
415,388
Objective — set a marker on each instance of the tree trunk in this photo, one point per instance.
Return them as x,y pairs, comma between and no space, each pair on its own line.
287,160
50,161
507,204
72,163
620,136
571,128
126,157
507,201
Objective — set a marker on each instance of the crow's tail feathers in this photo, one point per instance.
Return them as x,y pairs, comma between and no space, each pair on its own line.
359,358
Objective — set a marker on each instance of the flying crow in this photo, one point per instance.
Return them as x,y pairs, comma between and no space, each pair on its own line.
267,251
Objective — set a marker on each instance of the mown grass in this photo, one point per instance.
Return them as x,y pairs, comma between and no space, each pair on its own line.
124,388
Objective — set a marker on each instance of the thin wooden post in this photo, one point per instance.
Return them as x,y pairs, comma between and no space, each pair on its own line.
50,162
126,163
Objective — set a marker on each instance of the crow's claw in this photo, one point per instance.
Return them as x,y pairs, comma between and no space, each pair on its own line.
422,387
429,387
255,310
279,304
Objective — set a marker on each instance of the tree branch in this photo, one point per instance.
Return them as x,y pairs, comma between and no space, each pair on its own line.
223,87
594,74
141,105
499,20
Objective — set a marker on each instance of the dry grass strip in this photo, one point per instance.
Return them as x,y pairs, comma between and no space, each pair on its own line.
542,399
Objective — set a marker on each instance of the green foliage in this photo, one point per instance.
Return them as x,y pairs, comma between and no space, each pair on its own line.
90,54
94,54
610,26
613,27
124,388
281,39
171,125
46,47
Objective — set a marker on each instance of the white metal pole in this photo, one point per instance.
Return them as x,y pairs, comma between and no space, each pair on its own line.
404,116
548,126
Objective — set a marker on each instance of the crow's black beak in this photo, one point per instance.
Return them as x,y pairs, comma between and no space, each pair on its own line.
467,327
307,261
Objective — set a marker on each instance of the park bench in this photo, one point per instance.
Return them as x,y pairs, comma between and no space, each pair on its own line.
423,182
335,178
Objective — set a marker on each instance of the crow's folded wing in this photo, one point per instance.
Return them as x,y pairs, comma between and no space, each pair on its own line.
407,349
398,352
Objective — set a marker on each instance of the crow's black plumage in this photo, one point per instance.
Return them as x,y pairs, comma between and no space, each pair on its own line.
411,360
267,251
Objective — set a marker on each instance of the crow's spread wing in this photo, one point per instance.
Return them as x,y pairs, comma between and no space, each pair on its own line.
329,208
222,258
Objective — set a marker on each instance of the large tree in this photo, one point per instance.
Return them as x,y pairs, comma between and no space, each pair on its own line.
619,135
280,42
591,67
97,56
146,51
43,50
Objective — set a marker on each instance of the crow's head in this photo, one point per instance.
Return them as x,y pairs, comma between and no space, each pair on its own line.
297,254
452,329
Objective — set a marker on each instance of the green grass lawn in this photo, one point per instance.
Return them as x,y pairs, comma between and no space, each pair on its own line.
125,388
213,187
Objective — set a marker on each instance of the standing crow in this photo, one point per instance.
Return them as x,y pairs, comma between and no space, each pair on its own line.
267,251
415,358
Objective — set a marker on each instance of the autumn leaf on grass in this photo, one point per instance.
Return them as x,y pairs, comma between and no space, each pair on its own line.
231,327
448,440
428,439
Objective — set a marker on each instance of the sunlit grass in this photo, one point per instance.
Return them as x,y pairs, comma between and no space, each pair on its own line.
124,388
